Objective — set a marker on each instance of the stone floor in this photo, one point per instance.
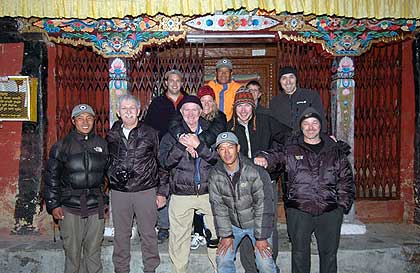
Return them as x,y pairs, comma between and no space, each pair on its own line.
383,248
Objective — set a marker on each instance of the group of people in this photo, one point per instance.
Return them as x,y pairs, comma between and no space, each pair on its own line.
213,159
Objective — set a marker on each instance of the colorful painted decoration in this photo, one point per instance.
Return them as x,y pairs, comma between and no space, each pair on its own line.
109,37
232,22
351,37
125,37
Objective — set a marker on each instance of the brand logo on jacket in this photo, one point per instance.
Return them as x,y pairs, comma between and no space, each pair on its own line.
298,157
301,102
98,149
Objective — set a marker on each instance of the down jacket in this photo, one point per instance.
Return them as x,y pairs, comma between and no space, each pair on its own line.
317,183
181,166
134,164
76,166
245,202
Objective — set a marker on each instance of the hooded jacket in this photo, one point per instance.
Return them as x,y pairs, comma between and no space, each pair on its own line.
317,182
245,202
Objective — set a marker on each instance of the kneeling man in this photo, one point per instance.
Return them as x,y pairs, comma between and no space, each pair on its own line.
241,197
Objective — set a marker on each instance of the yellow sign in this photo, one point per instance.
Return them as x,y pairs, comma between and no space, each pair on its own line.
18,98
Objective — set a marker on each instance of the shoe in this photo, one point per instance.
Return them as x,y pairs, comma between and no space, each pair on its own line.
197,241
163,235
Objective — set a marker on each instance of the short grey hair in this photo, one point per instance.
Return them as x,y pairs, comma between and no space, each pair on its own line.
128,97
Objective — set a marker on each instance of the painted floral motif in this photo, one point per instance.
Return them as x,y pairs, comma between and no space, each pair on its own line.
110,37
118,70
346,36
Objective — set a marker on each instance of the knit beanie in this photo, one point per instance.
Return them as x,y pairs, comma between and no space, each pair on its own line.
310,112
189,99
243,95
288,70
205,90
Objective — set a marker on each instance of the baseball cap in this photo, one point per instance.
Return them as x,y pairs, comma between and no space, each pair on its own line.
226,137
224,63
80,109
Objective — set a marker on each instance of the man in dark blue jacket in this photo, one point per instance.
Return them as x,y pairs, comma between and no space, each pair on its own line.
188,161
73,192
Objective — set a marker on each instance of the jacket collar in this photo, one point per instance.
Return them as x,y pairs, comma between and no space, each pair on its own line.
329,143
79,136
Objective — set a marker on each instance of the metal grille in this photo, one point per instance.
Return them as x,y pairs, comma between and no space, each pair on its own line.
148,68
314,69
81,77
377,123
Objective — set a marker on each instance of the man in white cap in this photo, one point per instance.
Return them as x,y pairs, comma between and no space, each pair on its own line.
241,197
224,87
74,191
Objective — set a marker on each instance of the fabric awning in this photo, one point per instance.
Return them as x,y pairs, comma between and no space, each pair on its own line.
379,9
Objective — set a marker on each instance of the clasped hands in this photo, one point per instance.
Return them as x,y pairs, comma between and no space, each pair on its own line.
191,142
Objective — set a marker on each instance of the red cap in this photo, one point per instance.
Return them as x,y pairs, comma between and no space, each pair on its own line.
205,90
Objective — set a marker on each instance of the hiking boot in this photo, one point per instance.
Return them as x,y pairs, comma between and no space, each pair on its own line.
197,241
163,235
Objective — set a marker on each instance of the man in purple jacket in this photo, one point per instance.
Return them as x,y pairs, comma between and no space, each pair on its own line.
320,188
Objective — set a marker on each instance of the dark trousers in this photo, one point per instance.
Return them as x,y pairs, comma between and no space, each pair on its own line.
247,254
326,227
142,206
82,239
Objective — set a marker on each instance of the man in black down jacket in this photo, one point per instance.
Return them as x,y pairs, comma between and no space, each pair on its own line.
73,192
188,161
320,188
137,185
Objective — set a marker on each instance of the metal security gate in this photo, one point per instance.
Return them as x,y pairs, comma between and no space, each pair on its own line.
147,69
377,123
81,77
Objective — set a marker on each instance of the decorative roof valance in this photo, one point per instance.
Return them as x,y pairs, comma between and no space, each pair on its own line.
340,36
379,9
